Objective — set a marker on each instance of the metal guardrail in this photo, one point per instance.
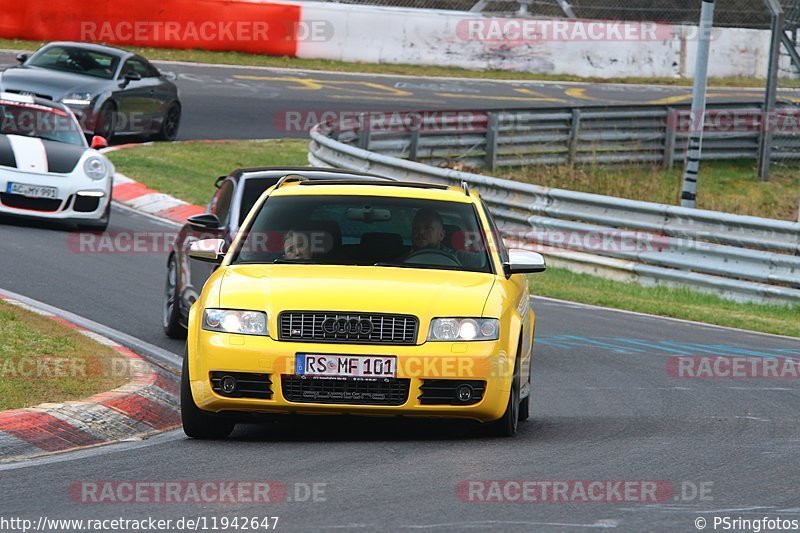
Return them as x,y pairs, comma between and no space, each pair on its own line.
740,257
580,135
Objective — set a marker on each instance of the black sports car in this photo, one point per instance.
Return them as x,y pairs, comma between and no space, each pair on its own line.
111,91
236,194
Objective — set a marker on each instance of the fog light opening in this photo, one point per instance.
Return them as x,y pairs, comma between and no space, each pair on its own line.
228,384
464,393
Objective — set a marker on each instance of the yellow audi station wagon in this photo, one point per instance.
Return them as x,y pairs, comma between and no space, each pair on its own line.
361,297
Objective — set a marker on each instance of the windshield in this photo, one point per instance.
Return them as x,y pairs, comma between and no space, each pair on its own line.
75,60
32,120
366,230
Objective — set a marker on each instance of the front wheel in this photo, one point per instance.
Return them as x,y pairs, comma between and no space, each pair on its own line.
507,425
100,224
197,423
171,311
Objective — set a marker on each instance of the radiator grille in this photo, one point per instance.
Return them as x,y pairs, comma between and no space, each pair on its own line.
344,327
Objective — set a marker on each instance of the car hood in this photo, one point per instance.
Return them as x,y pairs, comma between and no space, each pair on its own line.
38,156
48,83
424,293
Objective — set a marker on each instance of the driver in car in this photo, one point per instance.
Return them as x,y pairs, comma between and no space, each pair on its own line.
427,233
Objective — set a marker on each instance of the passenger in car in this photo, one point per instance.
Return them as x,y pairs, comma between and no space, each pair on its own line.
297,246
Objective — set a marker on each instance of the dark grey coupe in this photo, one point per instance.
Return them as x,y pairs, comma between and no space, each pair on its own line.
111,91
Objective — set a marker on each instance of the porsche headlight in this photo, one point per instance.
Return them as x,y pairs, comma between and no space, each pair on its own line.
235,321
78,99
464,329
95,167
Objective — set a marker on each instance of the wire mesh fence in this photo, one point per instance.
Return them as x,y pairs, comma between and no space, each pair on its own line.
729,13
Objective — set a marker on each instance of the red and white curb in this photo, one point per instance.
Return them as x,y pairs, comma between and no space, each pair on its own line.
136,196
145,405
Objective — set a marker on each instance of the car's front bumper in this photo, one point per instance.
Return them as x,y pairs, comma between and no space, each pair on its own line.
71,205
486,361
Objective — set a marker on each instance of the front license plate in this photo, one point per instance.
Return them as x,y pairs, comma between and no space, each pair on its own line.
345,366
32,191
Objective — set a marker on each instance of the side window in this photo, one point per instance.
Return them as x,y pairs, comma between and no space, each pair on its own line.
498,238
140,66
221,203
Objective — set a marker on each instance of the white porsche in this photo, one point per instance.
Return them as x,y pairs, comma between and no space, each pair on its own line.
47,168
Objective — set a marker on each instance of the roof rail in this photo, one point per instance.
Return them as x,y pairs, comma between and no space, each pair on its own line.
415,184
290,178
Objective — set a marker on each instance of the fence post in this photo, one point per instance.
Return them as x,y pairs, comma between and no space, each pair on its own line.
695,145
574,130
363,131
491,141
673,119
765,142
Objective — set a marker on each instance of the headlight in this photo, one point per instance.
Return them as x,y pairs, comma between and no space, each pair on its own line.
464,329
95,168
233,321
78,99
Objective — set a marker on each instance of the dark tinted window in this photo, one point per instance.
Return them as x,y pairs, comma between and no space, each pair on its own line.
140,66
221,204
366,230
76,60
253,188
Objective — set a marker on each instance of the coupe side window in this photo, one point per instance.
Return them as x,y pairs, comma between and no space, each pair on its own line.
221,204
139,66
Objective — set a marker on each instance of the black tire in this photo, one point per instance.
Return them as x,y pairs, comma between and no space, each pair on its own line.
507,425
171,312
170,123
197,423
99,225
106,122
525,405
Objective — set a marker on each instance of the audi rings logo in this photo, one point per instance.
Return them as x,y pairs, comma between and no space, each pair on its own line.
347,326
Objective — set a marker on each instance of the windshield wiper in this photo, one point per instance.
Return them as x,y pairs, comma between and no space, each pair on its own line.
417,265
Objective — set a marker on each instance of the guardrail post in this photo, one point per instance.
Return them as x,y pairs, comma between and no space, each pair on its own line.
574,130
363,131
673,118
491,141
413,144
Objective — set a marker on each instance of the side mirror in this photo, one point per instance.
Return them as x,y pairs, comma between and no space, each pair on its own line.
99,142
22,57
208,250
205,221
132,75
524,262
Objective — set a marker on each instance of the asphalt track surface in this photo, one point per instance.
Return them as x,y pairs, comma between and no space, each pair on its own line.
604,405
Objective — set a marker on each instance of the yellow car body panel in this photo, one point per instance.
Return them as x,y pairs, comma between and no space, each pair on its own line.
424,293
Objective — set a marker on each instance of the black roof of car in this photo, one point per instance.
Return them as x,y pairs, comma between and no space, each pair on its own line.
313,173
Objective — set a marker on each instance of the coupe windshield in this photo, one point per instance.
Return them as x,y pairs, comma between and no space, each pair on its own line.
366,230
32,120
75,60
